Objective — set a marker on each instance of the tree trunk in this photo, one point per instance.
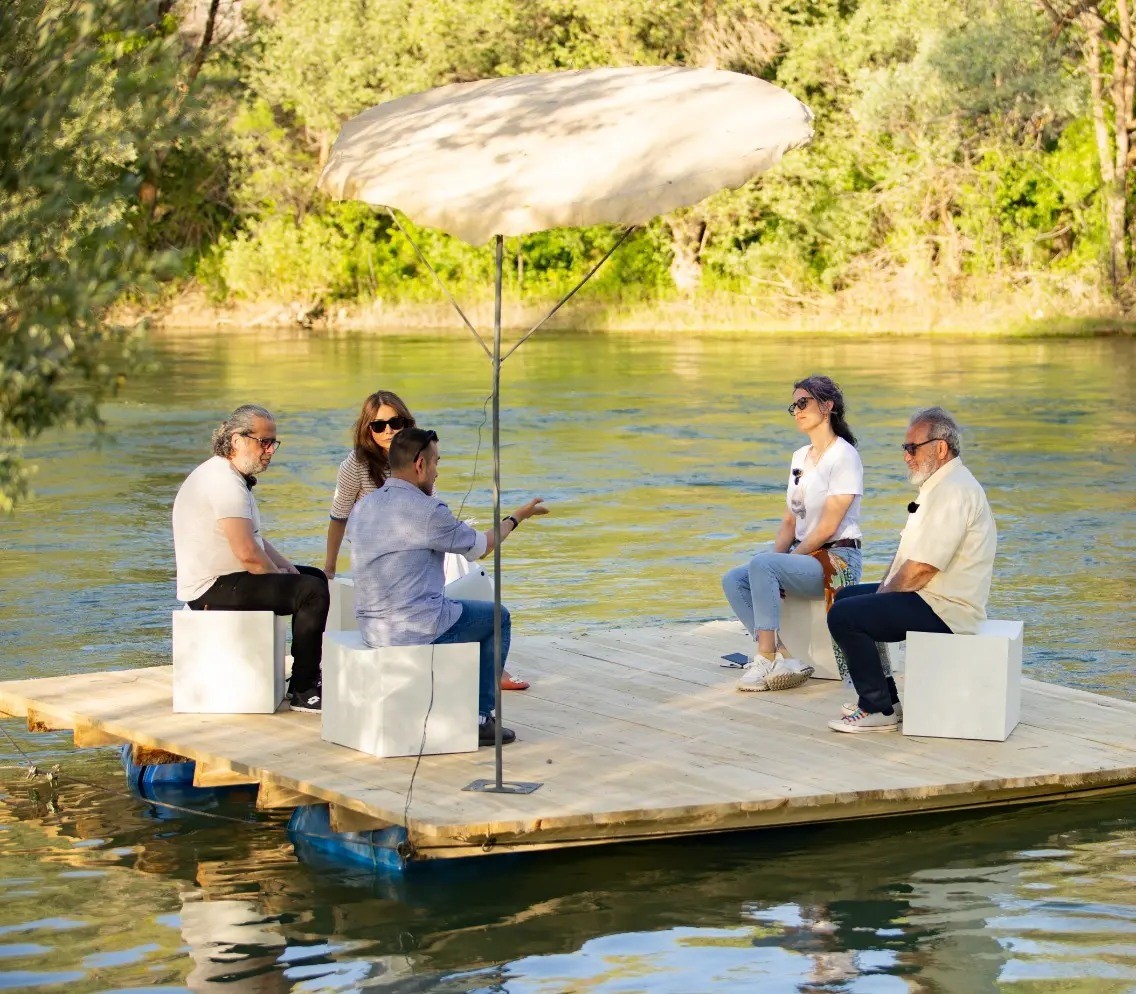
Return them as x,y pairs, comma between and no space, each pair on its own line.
688,236
1112,178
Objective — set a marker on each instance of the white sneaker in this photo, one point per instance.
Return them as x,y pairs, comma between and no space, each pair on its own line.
754,673
865,721
776,674
897,707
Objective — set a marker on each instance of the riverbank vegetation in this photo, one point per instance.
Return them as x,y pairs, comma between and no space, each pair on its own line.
971,164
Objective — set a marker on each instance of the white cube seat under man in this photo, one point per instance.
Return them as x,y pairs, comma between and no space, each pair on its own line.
804,630
229,662
341,615
964,686
378,700
472,583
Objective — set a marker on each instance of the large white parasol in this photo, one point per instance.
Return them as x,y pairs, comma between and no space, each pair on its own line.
520,154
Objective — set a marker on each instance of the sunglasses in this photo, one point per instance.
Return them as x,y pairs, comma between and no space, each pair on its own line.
910,447
379,425
799,404
431,436
268,444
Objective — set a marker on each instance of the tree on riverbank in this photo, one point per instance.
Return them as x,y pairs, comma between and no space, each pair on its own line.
92,99
1103,33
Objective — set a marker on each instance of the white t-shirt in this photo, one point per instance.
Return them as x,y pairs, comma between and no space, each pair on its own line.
953,530
213,491
838,473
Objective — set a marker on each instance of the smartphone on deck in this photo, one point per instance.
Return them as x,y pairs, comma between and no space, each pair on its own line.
734,660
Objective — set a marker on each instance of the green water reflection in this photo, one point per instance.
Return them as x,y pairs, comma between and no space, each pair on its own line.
664,460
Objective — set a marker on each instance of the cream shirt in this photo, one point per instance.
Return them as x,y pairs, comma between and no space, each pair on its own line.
953,530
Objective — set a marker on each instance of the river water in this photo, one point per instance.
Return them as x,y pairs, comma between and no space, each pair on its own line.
663,459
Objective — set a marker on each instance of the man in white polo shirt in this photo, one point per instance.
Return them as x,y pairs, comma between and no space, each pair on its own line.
939,580
224,562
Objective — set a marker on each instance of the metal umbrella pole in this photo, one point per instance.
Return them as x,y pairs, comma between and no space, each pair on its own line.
498,785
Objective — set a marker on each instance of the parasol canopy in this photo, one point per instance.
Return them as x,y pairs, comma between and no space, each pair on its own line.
520,154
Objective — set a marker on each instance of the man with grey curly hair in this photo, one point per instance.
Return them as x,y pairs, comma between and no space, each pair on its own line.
939,580
226,564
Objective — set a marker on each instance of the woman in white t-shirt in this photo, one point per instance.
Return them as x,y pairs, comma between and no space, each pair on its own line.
826,482
365,470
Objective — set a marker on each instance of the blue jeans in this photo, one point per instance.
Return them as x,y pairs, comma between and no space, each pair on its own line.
754,591
859,619
475,624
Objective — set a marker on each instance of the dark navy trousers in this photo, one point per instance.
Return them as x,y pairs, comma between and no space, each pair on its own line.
859,619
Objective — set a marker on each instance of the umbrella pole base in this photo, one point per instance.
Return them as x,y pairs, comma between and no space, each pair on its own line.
506,787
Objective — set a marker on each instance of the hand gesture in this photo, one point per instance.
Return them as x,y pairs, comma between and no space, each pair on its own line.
533,507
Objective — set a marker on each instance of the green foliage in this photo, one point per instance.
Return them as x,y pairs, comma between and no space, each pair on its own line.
925,110
952,144
84,90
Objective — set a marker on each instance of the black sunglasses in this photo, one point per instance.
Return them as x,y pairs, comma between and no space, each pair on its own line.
799,404
268,444
910,447
379,425
431,436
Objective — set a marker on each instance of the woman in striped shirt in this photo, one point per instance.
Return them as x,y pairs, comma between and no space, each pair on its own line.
366,467
365,470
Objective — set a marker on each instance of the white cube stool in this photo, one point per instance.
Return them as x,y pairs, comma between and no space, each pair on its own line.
474,584
376,700
964,686
804,630
341,616
229,662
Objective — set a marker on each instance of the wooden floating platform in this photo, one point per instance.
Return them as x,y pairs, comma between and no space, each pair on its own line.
634,734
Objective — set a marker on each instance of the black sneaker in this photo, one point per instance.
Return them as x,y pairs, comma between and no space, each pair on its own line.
310,701
487,733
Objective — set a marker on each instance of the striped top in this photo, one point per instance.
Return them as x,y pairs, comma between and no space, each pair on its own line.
351,483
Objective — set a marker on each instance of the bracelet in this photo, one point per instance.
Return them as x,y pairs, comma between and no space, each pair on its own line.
516,523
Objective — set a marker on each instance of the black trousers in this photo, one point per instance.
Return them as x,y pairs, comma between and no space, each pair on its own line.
304,595
859,619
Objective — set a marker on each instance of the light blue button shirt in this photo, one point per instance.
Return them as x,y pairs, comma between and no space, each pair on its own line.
399,538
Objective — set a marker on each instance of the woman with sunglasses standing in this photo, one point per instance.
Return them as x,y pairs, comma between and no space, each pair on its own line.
819,536
365,470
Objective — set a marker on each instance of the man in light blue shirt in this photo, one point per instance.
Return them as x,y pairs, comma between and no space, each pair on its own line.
399,536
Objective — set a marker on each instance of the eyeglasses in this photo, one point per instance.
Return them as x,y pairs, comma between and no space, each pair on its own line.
268,444
379,425
431,436
910,447
799,404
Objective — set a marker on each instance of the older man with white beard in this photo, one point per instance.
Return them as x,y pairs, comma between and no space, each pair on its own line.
224,563
939,580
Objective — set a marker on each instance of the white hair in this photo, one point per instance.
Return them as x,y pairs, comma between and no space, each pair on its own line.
939,425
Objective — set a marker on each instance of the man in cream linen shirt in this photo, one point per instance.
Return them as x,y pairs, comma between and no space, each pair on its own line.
939,580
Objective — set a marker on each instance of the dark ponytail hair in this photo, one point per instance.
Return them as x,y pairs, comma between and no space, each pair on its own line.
825,390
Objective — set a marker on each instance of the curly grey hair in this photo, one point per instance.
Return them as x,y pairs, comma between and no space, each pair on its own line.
939,425
240,422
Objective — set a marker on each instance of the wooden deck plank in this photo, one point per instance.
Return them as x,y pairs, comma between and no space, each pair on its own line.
634,733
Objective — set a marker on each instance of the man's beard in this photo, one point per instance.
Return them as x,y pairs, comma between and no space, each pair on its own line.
917,477
250,466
